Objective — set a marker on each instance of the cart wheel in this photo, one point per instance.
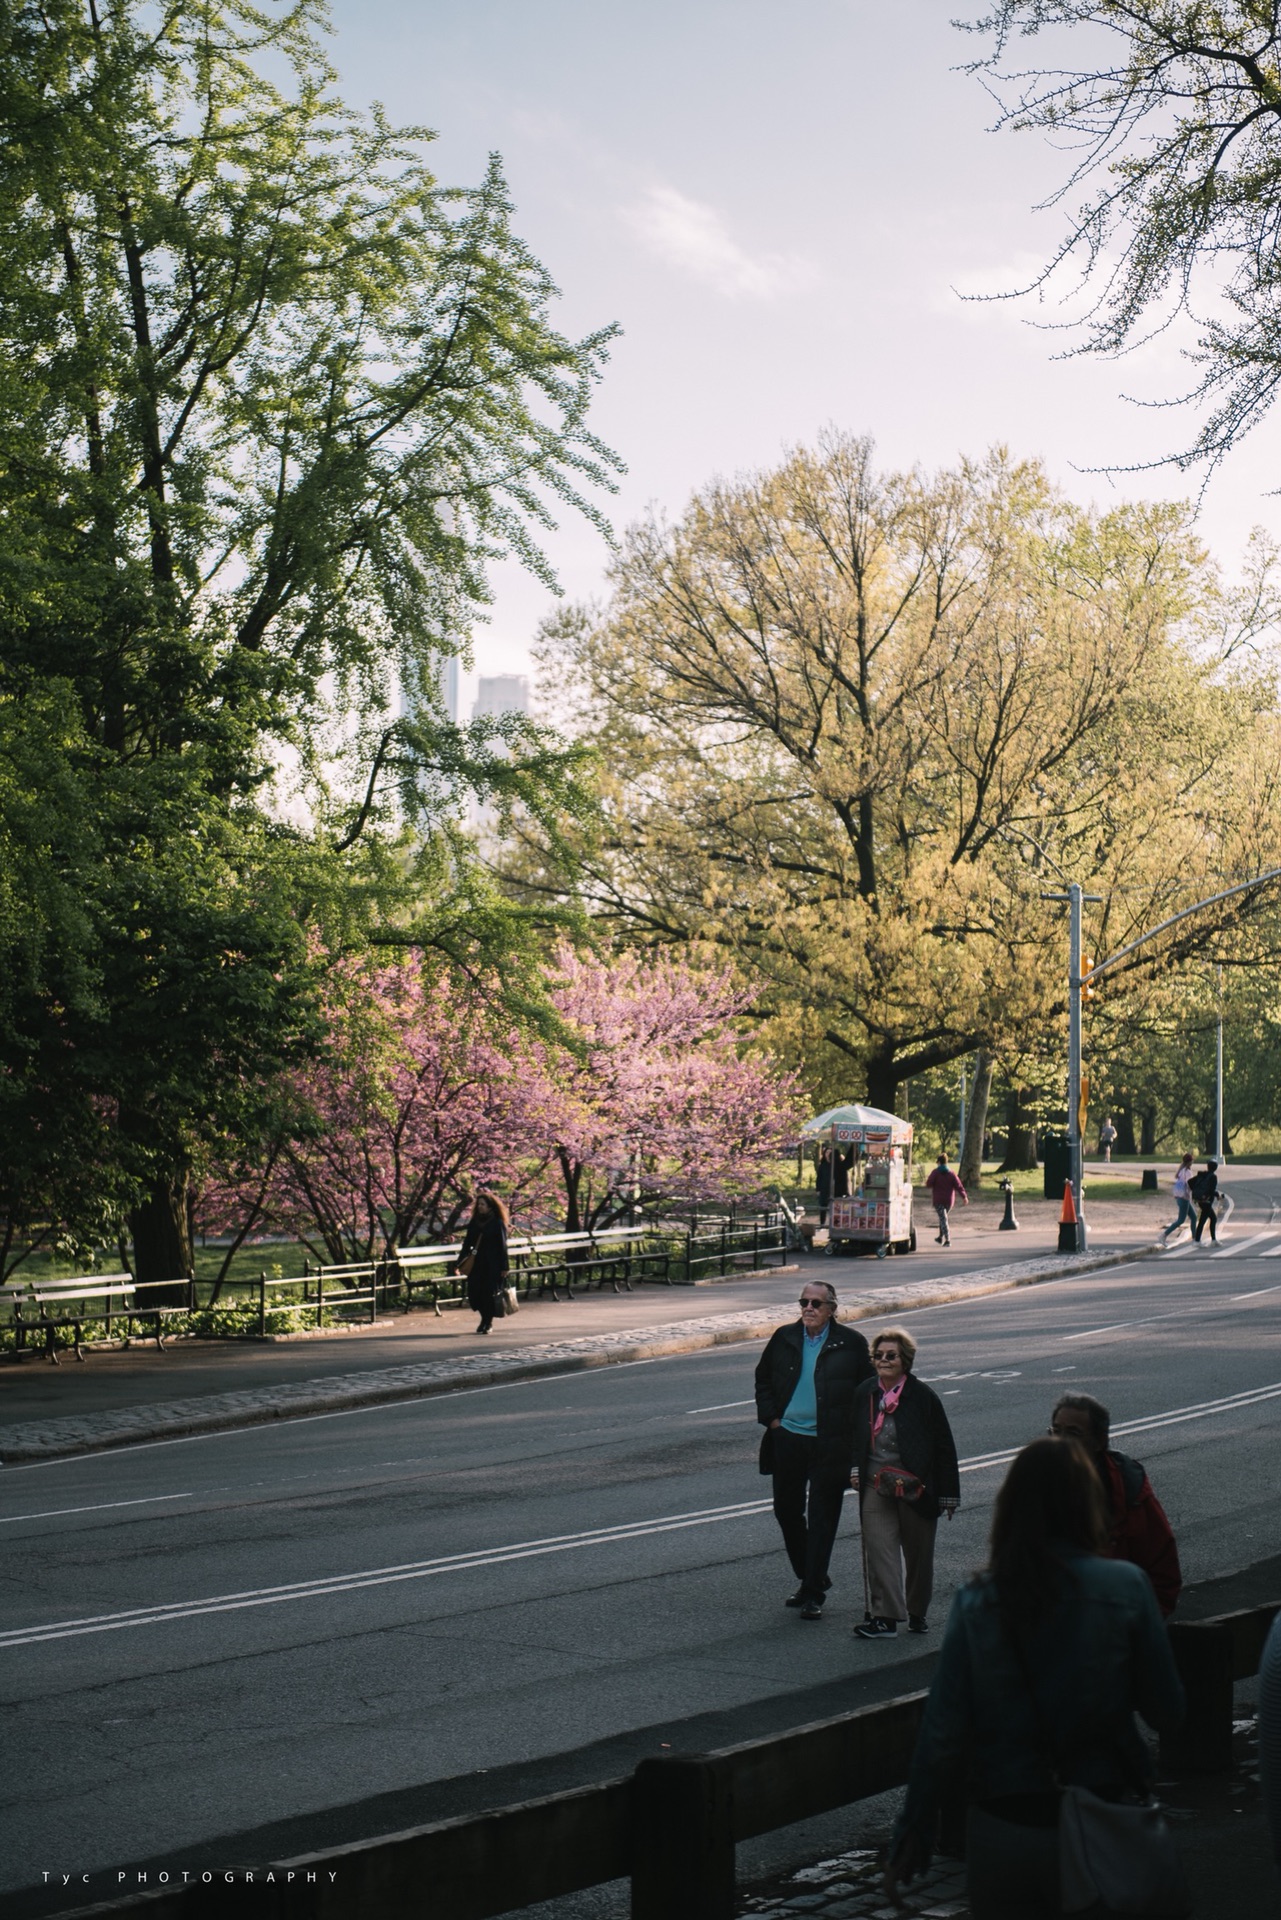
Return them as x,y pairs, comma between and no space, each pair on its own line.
911,1241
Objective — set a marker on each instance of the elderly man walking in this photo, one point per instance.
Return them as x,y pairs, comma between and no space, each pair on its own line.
806,1381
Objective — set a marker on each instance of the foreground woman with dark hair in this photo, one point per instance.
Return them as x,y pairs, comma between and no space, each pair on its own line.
1046,1658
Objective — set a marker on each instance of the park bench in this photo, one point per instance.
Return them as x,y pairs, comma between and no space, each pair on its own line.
42,1307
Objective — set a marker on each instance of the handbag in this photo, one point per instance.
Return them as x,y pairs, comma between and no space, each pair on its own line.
1122,1855
896,1483
1118,1854
465,1265
511,1303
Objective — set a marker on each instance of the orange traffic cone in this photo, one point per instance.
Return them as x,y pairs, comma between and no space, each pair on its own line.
1067,1220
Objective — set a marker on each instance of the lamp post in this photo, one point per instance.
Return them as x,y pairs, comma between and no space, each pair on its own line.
1075,898
1218,1076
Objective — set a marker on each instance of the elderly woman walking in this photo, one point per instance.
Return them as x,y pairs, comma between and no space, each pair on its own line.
1046,1659
483,1257
906,1473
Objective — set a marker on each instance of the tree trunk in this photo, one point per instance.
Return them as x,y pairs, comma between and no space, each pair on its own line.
1147,1130
971,1170
1124,1124
572,1173
882,1080
161,1229
1020,1135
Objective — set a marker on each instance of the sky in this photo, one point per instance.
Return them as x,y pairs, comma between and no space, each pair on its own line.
783,206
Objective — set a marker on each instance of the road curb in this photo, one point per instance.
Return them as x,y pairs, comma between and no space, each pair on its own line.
260,1406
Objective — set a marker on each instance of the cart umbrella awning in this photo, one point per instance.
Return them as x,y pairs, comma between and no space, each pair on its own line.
858,1125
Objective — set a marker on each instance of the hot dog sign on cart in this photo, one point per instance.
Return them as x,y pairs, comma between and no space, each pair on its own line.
878,1209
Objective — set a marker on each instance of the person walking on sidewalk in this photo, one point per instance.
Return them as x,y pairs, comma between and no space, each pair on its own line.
483,1256
1138,1530
823,1183
1203,1187
906,1474
944,1187
1047,1657
1107,1139
806,1382
1180,1195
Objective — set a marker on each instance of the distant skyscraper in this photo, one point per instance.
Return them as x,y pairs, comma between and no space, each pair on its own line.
447,681
501,693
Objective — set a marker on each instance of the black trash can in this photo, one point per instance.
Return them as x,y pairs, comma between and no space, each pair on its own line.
1055,1163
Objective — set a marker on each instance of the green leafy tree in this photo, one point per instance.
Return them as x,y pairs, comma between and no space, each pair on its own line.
854,724
271,399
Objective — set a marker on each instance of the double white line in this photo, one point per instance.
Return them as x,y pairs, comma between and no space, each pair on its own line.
378,1576
537,1549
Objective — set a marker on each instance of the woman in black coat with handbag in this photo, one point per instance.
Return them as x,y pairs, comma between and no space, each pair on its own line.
485,1248
906,1473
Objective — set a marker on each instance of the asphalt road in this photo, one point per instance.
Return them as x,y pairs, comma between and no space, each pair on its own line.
208,1636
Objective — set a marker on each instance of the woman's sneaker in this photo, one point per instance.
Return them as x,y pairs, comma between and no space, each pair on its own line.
876,1629
917,1623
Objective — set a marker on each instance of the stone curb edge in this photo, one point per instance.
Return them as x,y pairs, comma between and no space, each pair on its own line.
293,1404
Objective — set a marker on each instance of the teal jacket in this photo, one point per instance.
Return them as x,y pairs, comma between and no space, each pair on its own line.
1100,1655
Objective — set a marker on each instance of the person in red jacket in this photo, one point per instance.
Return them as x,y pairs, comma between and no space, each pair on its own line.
1138,1530
944,1187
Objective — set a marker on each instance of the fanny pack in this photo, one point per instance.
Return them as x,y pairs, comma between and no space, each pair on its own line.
896,1483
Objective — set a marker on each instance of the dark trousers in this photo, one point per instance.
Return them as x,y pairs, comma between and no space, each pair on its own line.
1206,1213
810,1480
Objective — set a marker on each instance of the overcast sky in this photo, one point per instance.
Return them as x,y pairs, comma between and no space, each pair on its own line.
781,206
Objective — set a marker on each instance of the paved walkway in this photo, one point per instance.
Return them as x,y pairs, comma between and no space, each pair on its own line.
248,1399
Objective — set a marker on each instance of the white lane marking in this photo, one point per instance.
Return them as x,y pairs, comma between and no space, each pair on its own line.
57,1513
1273,1253
1201,1410
379,1576
533,1549
1243,1246
1258,1291
1181,1253
723,1407
1115,1326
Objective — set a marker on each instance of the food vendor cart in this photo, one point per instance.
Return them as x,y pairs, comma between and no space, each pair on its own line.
877,1213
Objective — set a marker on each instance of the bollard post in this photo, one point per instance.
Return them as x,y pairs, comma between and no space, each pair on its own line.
683,1839
1008,1223
1203,1654
1148,1184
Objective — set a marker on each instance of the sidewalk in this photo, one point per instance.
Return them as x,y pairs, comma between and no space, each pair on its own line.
1218,1819
120,1397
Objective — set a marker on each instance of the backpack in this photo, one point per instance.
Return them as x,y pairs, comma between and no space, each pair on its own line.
1202,1185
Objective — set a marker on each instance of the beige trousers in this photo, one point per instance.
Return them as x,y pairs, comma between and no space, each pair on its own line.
896,1537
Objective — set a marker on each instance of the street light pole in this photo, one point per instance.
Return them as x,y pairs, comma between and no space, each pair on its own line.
1075,897
1218,1077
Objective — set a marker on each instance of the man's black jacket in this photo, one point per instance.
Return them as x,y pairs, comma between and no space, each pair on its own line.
843,1364
925,1444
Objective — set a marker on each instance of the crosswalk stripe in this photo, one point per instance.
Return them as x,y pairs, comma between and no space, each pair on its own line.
1242,1246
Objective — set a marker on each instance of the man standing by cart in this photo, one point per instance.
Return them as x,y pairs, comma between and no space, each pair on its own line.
944,1187
806,1381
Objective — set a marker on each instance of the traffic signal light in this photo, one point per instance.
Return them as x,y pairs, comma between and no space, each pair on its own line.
1087,968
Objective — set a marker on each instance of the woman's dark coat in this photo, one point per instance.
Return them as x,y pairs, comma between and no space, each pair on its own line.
843,1364
487,1234
925,1444
823,1179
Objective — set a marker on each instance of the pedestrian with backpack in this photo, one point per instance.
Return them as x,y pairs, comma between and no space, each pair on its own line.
1204,1189
1182,1198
